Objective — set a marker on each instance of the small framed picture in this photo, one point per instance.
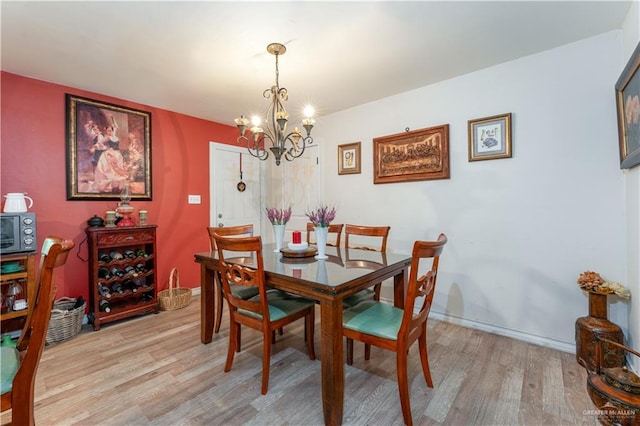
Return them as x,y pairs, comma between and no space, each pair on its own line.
349,158
490,138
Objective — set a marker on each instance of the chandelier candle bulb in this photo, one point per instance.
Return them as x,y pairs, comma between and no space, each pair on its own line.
297,237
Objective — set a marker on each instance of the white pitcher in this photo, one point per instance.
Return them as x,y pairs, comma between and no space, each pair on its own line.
16,202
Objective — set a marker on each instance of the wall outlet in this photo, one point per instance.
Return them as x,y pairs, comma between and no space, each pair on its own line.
194,199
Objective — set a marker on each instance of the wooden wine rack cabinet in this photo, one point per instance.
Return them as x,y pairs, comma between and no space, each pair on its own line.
105,240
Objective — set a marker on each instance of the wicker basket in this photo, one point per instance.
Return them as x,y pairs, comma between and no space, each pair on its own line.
64,323
174,298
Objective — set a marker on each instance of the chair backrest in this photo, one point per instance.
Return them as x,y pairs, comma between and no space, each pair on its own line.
335,229
421,286
377,232
240,275
225,231
54,254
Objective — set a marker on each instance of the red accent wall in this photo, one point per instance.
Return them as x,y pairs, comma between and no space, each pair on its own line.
32,160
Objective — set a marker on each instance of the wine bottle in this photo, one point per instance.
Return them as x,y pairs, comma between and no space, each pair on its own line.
140,281
141,253
103,290
130,254
147,296
104,306
80,302
130,270
130,285
104,257
117,288
104,273
117,272
116,255
140,267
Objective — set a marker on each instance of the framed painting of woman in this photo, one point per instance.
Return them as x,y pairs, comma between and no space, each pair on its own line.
108,147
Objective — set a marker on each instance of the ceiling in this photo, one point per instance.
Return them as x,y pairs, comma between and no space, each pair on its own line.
208,59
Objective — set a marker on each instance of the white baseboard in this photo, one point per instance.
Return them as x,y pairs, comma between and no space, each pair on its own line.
490,328
507,332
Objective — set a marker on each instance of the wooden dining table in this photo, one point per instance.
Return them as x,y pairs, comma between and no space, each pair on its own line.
329,281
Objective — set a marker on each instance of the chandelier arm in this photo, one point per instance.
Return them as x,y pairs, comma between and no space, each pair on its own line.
297,149
254,146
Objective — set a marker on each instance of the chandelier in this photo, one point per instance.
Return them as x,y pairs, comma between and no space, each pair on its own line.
282,144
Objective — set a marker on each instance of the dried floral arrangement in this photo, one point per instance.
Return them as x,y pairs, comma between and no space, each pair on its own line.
592,281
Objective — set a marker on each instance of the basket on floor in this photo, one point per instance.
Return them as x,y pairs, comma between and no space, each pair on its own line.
174,298
65,322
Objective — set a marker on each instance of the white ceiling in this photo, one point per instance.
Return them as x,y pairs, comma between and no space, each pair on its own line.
208,59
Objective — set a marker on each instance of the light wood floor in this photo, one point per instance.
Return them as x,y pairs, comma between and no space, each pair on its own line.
153,370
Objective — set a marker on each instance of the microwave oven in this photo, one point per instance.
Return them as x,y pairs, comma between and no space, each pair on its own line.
17,232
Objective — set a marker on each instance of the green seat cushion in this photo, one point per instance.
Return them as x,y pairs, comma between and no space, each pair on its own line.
374,318
243,292
361,296
9,362
281,304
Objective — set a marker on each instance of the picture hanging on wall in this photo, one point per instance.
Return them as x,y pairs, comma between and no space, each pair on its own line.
628,105
411,156
108,146
490,137
349,158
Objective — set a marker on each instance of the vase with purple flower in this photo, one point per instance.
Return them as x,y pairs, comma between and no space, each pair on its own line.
279,219
321,218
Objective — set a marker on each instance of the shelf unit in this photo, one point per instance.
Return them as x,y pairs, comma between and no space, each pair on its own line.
14,320
135,300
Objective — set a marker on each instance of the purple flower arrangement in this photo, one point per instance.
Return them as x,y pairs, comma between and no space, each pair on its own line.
278,216
322,216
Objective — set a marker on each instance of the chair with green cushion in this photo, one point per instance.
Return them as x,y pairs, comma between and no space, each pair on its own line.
19,364
370,238
245,293
268,311
385,326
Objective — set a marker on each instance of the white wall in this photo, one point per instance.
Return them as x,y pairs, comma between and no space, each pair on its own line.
631,36
521,229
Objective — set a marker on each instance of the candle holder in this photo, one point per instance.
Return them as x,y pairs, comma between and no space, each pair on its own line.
110,218
124,208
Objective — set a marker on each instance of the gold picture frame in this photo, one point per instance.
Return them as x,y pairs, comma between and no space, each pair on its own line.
628,108
490,137
412,156
349,158
108,146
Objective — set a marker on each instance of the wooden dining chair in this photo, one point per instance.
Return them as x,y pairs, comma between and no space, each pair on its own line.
335,231
245,293
266,312
375,238
20,363
385,326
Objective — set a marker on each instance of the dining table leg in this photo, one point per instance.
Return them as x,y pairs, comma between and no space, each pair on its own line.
332,361
207,303
400,282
